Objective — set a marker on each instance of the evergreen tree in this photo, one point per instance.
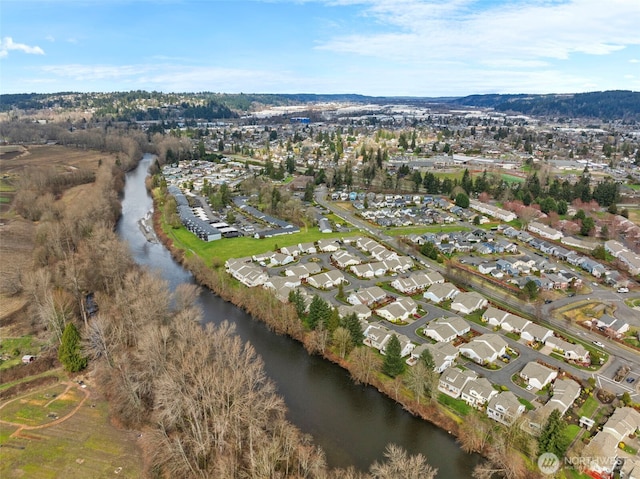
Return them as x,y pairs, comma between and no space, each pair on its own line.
295,298
352,324
462,200
427,360
552,439
69,352
393,364
319,312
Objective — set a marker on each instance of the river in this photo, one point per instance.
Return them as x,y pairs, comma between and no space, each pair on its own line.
351,423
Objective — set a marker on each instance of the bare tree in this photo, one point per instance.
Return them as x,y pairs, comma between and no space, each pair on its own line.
475,433
399,464
342,340
364,364
416,380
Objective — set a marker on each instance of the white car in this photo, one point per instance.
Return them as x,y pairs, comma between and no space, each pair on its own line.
623,290
599,344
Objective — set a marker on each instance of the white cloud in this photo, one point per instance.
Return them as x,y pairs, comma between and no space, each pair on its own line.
7,44
96,72
50,38
634,60
419,30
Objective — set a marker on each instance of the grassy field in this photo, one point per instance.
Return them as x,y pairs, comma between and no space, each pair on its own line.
85,445
41,407
12,350
239,247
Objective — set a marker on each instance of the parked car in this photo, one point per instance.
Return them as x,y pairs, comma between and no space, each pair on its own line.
630,380
623,290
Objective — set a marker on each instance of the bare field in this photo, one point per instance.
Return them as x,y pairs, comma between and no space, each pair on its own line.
50,155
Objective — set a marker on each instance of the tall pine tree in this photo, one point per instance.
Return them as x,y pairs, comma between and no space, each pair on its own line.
393,364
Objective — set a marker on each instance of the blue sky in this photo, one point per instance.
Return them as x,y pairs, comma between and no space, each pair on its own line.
370,47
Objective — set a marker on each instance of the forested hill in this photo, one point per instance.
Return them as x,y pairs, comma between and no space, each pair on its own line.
605,105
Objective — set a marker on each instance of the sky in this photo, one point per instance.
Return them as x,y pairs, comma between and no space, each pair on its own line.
429,48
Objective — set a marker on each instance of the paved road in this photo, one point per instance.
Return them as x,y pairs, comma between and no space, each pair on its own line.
619,355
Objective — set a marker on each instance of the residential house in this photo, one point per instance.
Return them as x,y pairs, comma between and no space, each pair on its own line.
281,259
446,329
593,267
441,292
505,408
361,311
303,270
614,248
367,296
376,335
570,351
487,268
406,346
453,380
632,261
478,392
612,325
401,264
369,270
484,349
493,211
417,281
327,280
366,244
507,267
248,274
307,248
381,253
400,310
507,321
324,225
291,250
544,231
328,245
565,392
343,259
467,303
514,324
534,332
443,354
537,375
278,282
603,447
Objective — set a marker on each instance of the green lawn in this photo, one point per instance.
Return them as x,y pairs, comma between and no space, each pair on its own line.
425,229
246,246
527,404
458,405
571,432
589,407
511,179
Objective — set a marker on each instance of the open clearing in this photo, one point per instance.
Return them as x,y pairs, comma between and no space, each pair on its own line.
67,435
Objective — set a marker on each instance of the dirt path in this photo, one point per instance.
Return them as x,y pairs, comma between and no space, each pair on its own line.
22,427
